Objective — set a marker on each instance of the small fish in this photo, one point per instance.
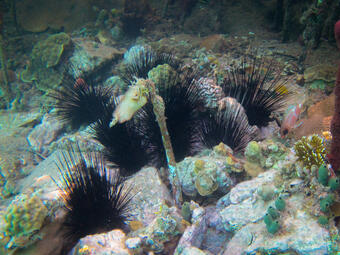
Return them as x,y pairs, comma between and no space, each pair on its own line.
291,120
134,99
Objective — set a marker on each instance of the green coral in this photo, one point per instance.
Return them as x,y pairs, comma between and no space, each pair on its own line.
310,151
323,220
23,219
280,204
273,212
45,57
326,203
333,183
323,174
273,227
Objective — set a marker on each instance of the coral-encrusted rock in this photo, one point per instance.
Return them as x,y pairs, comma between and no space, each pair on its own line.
112,243
45,59
44,134
300,233
242,205
194,234
167,225
204,175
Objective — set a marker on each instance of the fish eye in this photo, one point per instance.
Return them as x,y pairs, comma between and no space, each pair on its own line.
285,131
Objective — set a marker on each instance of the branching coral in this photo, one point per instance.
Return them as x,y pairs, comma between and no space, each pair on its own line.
310,150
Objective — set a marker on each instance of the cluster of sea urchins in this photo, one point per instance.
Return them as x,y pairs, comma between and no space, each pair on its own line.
198,112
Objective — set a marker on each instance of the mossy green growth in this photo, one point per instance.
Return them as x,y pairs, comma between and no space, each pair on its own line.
253,152
323,220
163,76
273,212
323,174
273,227
198,165
310,151
334,183
326,203
186,212
45,56
280,204
23,219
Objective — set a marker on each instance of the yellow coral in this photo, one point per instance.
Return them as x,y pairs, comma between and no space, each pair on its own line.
23,219
199,165
311,150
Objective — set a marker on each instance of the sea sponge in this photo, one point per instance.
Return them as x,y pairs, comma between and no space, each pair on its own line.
45,57
23,218
311,150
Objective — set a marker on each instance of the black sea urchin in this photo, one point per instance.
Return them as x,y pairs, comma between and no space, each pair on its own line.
96,199
79,103
181,102
139,60
258,87
124,145
228,125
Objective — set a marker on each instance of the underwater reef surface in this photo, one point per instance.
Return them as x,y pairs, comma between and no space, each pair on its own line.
247,90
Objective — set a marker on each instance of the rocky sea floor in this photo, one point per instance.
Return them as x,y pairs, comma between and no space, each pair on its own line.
227,196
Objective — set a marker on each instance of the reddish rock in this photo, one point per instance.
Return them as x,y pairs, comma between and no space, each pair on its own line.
215,43
334,156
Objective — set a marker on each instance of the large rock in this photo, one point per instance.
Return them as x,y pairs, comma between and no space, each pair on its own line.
89,56
45,133
300,233
112,243
194,234
242,210
151,195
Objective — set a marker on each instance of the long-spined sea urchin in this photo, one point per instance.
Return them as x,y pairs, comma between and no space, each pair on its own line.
182,101
124,145
96,199
228,125
80,103
258,87
139,60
